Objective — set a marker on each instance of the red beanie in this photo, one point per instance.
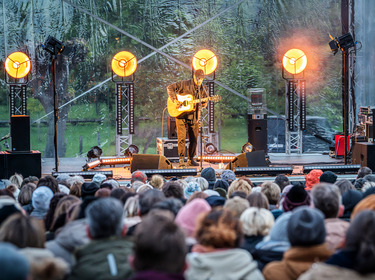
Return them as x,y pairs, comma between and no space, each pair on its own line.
313,178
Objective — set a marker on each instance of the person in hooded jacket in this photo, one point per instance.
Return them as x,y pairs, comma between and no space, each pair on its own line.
217,254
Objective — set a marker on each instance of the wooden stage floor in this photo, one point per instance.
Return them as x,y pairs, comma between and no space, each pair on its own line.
122,173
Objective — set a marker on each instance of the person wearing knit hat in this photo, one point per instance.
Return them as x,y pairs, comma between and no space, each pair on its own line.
138,176
40,201
98,178
187,217
312,178
306,234
14,265
221,184
275,243
222,192
209,174
228,175
89,189
328,177
296,197
191,188
350,199
215,201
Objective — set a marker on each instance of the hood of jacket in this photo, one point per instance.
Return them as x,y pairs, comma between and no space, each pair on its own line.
224,264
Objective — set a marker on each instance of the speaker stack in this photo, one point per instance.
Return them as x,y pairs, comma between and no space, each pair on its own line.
20,159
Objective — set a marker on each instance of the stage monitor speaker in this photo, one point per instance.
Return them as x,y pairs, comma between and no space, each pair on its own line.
142,161
364,154
27,164
257,132
253,159
20,133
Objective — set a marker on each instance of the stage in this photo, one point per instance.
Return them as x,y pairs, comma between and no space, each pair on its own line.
123,175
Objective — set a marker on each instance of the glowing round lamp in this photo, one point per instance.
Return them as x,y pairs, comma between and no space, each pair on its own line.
124,64
17,65
294,61
205,60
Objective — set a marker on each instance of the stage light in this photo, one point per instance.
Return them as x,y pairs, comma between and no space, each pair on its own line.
170,172
205,60
17,65
247,147
84,174
294,61
94,152
344,42
217,159
53,46
132,149
351,168
262,170
210,149
124,64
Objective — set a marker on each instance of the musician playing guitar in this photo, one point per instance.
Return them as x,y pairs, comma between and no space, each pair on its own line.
190,118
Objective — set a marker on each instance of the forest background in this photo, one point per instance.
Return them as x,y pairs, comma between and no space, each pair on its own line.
249,40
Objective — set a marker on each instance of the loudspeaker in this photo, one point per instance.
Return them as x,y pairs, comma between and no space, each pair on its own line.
20,133
172,130
27,164
142,161
364,154
253,159
257,132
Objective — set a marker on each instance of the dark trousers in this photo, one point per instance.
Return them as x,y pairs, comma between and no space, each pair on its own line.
192,128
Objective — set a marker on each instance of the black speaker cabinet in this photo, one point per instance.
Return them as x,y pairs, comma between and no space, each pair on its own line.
142,161
172,130
364,154
257,132
253,159
20,133
25,163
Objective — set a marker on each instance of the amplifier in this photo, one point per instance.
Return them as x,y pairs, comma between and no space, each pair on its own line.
169,148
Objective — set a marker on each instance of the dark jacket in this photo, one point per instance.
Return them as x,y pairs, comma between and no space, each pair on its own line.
103,260
250,242
156,275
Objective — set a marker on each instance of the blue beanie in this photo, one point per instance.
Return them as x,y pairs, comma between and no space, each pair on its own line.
13,264
191,188
41,198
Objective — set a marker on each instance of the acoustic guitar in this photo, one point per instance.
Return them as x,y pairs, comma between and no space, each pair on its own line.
187,104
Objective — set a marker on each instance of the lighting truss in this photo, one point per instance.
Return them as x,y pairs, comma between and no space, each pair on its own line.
124,116
18,99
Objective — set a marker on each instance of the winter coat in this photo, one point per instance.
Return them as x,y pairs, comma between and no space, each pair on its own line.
321,271
249,243
222,265
268,251
296,261
72,236
103,259
335,232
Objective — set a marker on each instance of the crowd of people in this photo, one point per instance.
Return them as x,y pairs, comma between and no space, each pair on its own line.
214,226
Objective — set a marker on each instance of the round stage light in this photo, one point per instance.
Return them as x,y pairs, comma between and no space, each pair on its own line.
210,149
17,65
205,60
294,61
131,150
124,64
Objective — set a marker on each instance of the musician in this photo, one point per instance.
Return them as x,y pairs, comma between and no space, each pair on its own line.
188,120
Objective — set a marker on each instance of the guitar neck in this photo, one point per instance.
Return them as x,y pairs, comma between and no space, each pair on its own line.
202,99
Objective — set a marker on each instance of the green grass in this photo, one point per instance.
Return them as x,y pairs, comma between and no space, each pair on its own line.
233,135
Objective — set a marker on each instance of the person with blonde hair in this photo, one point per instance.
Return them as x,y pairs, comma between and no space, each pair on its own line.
217,254
16,180
239,185
272,192
157,181
256,223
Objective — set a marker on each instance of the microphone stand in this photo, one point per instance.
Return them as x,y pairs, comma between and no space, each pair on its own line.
200,127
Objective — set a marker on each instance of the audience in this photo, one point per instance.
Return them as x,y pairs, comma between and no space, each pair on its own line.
106,256
159,249
217,254
256,223
69,228
306,234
